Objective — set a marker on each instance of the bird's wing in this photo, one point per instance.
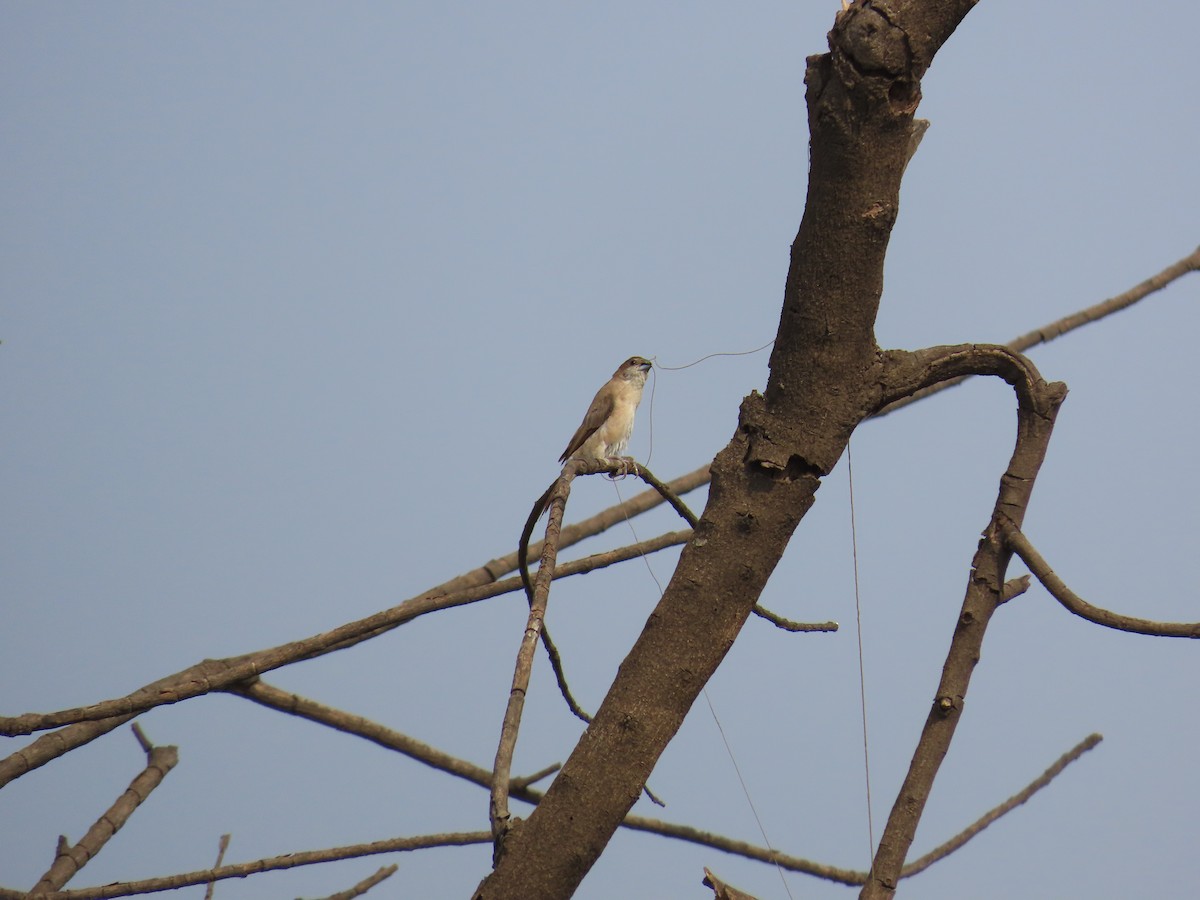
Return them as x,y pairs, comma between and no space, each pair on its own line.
598,412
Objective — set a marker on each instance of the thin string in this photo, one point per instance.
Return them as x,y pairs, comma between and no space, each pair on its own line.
862,680
711,355
711,708
654,382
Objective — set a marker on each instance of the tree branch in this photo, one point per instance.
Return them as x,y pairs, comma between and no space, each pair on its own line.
216,675
270,864
1058,589
365,885
1059,327
1038,404
69,860
944,850
501,772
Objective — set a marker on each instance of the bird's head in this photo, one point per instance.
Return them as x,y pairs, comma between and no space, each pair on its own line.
635,367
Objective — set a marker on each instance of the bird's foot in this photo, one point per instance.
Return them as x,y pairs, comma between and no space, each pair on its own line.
627,465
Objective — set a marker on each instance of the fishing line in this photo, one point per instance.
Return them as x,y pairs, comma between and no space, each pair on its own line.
862,680
711,355
711,708
654,381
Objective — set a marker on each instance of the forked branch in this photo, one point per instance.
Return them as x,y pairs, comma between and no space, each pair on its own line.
1038,404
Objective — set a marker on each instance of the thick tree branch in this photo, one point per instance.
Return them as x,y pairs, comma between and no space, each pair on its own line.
1076,604
823,382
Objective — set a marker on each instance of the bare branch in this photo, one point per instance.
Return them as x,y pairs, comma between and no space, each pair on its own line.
365,885
721,890
215,675
1076,604
270,864
589,467
53,745
1014,588
275,698
1190,263
1038,404
293,704
222,846
788,625
69,860
1007,806
526,780
501,771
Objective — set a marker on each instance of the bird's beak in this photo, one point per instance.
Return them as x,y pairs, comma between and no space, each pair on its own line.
645,366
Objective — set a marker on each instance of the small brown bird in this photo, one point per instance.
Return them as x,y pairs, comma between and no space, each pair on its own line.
609,421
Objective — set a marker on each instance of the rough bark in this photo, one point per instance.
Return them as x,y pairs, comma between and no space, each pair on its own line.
824,381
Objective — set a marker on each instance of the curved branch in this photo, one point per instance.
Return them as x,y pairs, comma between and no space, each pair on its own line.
1076,604
1038,404
1059,327
788,625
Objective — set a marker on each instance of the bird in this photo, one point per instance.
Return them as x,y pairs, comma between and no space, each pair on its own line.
609,421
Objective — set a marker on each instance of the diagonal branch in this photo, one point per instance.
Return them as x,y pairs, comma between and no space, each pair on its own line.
69,860
365,885
51,746
215,675
501,771
1058,589
944,850
275,698
55,744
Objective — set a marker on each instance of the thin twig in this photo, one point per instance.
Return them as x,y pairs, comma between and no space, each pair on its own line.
222,846
788,625
365,885
1076,604
526,780
1007,806
274,698
1014,588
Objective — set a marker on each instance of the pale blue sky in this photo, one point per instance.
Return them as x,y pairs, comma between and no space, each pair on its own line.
299,303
